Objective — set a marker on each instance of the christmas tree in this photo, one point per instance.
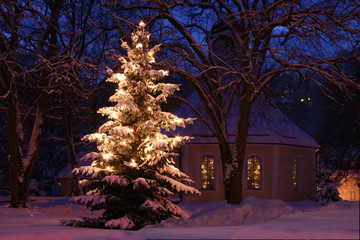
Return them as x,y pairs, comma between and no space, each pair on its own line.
133,175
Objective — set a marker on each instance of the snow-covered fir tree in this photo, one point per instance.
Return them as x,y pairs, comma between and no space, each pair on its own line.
133,175
326,185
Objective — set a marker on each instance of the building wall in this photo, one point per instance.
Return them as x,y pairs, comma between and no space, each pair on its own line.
266,153
191,162
307,164
277,171
65,186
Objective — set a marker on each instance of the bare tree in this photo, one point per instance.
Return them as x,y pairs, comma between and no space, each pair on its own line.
231,50
53,55
19,41
44,51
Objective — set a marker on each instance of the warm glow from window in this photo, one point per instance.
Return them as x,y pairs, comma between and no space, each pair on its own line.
207,172
295,173
254,173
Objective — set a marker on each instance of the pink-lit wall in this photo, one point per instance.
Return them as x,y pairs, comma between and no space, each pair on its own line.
277,170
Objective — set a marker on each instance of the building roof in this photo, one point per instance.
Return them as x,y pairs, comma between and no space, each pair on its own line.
267,126
66,172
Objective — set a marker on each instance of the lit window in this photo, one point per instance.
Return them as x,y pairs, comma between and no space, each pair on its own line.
207,172
295,173
254,172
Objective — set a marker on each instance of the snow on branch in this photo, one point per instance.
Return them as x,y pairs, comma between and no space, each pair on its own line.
173,171
153,206
178,186
116,179
122,131
92,156
93,172
142,183
106,126
124,222
89,200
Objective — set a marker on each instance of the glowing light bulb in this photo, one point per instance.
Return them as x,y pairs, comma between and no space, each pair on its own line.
133,163
165,72
139,45
106,156
142,24
149,108
110,169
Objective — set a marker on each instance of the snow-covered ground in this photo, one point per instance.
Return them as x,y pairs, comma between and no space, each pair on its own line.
254,218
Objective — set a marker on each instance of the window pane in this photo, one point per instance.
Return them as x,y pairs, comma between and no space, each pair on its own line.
207,173
254,173
295,173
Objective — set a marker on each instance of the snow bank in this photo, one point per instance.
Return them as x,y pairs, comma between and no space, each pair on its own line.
222,214
340,204
254,219
58,235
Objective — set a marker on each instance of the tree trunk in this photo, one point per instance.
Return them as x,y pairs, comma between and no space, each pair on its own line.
68,133
15,135
236,191
226,159
20,167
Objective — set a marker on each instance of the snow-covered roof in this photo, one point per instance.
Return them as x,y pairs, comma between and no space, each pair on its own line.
66,172
267,126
